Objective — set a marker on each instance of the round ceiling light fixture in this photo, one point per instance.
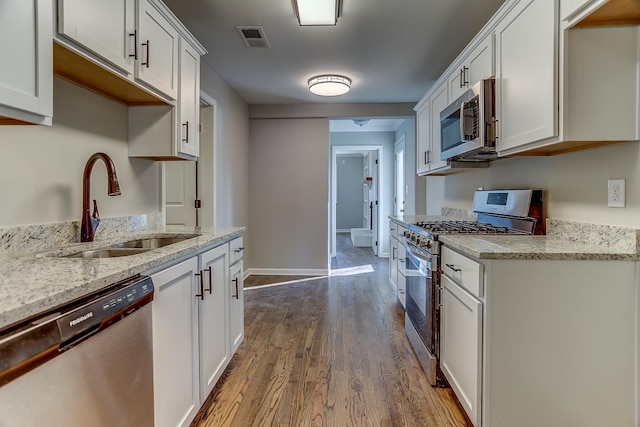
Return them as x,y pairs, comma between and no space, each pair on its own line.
329,85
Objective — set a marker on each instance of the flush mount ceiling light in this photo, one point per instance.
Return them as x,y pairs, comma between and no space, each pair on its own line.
329,85
360,122
317,12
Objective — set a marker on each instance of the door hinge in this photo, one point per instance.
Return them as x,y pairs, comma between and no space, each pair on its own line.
376,161
376,243
376,203
200,127
198,203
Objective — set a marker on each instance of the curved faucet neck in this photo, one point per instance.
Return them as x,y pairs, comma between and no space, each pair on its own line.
113,189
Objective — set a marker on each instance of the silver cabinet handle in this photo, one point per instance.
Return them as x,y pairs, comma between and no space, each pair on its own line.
135,44
186,138
210,289
237,295
201,294
239,250
147,46
453,267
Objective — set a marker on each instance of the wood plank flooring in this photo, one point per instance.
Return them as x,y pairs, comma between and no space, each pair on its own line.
328,352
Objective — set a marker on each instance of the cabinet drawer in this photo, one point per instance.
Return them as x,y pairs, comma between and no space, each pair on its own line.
236,250
463,271
393,229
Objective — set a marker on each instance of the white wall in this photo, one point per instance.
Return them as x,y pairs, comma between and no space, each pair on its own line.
387,140
415,195
288,192
575,183
232,162
41,167
350,192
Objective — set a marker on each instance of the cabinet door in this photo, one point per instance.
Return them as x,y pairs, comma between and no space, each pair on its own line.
402,289
461,346
189,100
423,134
481,61
26,74
157,63
236,274
175,338
213,317
106,27
393,262
526,74
458,82
439,101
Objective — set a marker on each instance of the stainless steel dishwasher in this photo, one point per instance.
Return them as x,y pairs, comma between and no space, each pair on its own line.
85,364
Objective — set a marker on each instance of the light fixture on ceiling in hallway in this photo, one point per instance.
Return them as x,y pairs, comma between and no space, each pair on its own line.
329,85
360,122
317,12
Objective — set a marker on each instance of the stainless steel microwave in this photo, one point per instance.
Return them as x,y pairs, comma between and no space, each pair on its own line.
467,125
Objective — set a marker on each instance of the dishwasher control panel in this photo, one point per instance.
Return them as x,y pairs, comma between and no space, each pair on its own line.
89,318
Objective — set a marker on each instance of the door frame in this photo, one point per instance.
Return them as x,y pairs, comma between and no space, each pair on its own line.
400,142
333,189
206,169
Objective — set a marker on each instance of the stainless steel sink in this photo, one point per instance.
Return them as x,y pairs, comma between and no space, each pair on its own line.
132,247
154,242
108,253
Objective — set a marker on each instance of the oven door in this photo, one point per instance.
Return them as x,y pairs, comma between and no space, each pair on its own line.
422,292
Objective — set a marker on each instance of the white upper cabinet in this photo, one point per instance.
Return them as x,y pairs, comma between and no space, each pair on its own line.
439,102
477,66
189,100
157,63
26,75
423,135
106,28
526,74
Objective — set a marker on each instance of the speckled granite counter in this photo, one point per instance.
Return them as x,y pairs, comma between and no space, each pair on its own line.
32,283
532,247
565,240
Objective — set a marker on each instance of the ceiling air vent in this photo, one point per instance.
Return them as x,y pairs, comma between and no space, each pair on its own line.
253,36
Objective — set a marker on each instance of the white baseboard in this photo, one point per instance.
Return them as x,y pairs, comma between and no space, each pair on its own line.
286,272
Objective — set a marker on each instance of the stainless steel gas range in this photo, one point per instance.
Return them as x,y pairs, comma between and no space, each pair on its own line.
499,212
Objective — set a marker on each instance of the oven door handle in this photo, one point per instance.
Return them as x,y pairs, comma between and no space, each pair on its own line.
418,255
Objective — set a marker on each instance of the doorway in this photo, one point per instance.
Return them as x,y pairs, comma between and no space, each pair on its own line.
371,191
399,186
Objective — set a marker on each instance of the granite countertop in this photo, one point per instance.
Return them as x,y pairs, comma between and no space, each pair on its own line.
565,240
37,282
532,247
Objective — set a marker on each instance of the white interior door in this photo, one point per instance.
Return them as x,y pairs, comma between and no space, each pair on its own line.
398,189
373,199
180,193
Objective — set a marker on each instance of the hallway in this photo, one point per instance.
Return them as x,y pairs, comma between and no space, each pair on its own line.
328,352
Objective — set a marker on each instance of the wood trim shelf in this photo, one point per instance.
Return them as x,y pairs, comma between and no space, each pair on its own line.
75,68
614,12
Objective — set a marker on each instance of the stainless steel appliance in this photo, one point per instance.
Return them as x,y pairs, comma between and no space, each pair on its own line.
504,212
467,125
85,364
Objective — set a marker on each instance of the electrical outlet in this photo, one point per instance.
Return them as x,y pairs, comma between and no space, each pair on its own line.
616,193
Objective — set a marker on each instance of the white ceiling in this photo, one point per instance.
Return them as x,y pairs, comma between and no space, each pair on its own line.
392,50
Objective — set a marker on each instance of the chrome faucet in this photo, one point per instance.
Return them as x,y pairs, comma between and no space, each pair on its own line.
90,222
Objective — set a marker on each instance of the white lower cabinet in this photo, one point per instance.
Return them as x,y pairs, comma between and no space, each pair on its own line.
236,305
213,318
533,343
175,350
461,346
195,332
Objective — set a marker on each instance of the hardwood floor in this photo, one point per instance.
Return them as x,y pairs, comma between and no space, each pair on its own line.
328,352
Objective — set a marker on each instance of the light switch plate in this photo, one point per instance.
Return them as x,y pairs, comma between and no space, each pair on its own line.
616,193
